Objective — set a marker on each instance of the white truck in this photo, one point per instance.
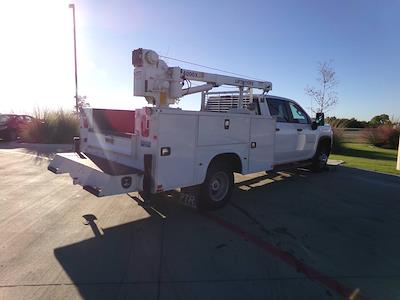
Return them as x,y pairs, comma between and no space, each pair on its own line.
159,148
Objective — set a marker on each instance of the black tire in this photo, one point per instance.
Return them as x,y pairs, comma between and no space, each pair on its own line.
320,159
217,188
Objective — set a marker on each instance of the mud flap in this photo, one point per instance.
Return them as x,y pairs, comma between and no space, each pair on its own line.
189,196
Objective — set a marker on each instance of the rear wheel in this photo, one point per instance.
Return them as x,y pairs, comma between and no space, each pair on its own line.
217,187
320,159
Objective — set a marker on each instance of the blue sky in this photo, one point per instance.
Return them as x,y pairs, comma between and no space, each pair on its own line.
279,41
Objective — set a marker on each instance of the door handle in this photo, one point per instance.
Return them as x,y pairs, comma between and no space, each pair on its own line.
277,129
299,129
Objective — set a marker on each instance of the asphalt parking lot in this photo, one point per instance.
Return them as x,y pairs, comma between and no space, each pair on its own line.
292,235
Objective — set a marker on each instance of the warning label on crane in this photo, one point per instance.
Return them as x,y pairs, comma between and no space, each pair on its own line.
244,82
192,74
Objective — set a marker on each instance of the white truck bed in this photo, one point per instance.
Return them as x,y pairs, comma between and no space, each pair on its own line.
194,139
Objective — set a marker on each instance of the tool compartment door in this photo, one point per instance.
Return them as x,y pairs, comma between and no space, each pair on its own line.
262,139
223,129
178,133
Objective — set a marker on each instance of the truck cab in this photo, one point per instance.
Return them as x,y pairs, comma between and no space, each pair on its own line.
297,135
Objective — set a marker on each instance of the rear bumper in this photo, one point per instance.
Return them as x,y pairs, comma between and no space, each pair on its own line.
97,175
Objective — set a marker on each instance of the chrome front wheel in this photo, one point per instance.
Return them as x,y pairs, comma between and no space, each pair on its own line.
217,187
320,159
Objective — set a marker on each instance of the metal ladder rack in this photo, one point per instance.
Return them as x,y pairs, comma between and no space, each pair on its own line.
225,100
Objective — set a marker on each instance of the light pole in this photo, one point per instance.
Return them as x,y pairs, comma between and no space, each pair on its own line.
76,71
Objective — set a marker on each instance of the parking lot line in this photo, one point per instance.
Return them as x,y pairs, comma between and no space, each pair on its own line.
290,260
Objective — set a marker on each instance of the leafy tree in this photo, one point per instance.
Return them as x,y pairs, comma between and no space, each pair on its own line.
345,123
354,123
378,120
325,96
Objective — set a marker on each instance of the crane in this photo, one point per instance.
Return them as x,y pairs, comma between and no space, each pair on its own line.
162,85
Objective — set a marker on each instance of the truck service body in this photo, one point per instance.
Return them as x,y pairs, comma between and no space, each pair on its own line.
158,148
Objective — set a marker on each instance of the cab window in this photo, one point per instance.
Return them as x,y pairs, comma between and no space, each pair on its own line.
298,115
277,108
254,106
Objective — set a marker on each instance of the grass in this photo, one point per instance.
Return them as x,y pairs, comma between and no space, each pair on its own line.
52,127
368,157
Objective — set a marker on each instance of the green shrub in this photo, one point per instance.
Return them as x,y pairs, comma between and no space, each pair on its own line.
370,136
336,123
51,127
338,140
385,136
345,123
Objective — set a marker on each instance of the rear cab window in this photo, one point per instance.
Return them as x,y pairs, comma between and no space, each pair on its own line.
278,109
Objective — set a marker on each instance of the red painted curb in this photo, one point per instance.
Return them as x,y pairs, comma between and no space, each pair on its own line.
289,259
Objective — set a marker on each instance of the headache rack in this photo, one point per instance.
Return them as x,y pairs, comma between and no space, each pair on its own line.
227,101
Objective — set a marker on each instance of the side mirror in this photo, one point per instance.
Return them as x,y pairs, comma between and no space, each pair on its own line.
320,119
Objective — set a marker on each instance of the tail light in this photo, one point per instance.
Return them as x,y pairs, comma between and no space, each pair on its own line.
144,126
145,122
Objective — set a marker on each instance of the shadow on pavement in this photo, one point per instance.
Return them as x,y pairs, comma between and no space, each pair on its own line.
123,261
115,260
342,223
38,150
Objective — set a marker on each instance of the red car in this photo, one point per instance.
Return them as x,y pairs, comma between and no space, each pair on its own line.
11,125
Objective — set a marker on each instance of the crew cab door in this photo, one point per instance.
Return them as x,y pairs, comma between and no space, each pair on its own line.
286,134
306,137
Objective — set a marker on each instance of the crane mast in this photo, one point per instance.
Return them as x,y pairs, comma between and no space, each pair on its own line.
162,85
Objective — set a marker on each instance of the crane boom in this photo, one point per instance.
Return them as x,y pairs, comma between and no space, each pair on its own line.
162,85
219,80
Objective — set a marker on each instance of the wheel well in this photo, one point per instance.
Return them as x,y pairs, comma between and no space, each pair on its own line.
325,142
231,158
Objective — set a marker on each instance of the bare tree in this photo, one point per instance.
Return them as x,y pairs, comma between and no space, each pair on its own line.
325,97
82,103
